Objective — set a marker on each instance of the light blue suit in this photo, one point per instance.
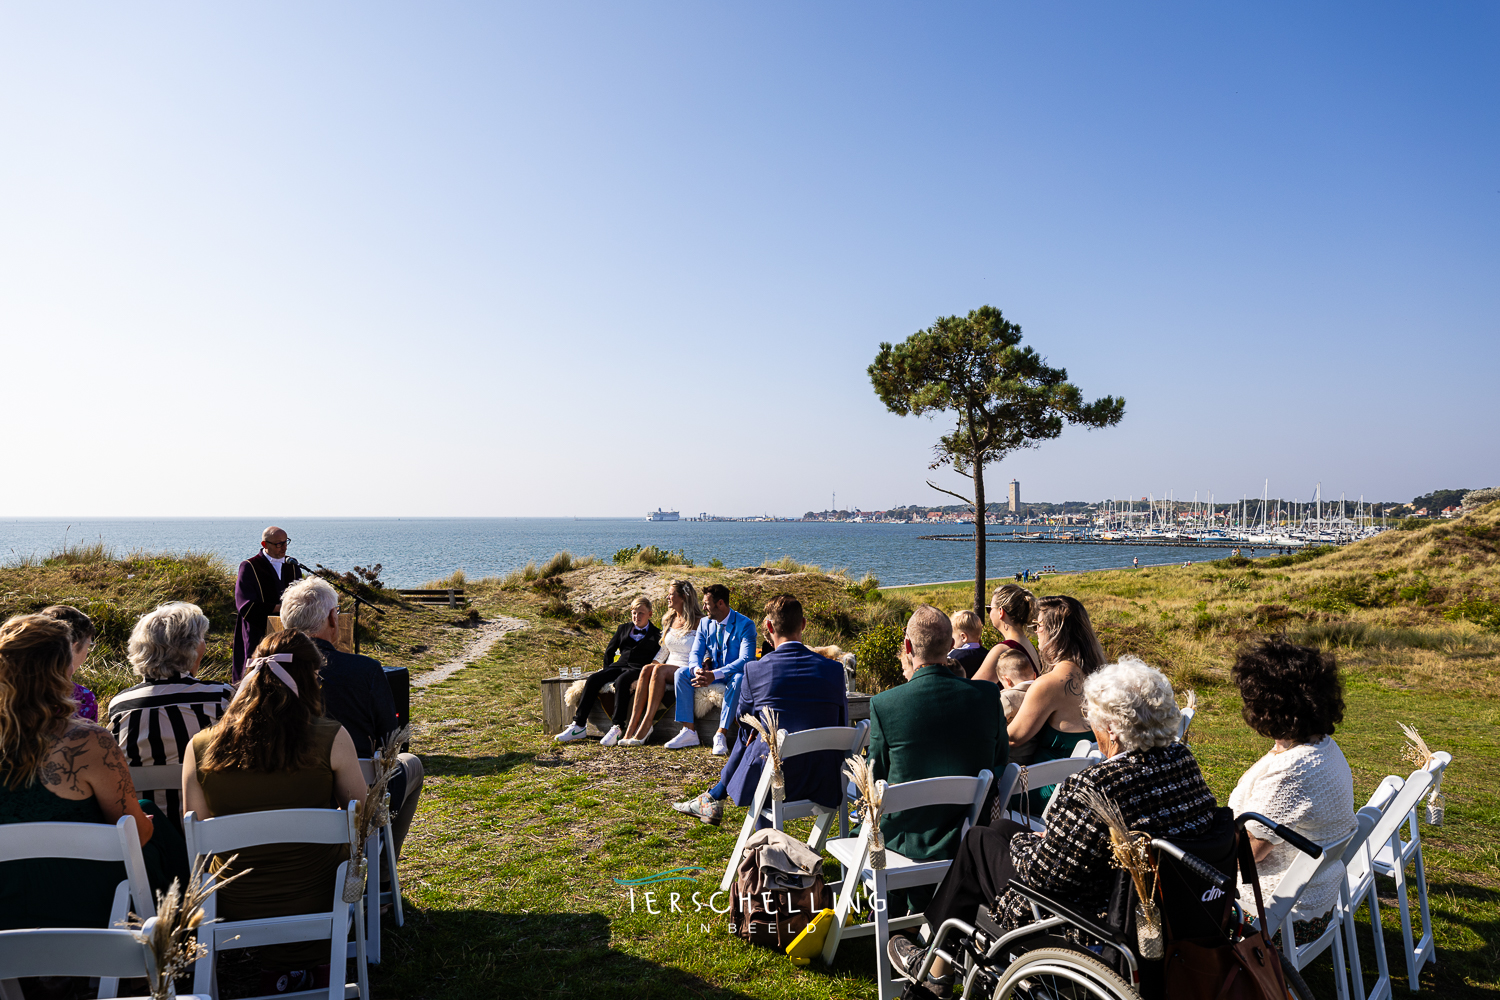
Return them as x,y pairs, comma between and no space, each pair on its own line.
731,643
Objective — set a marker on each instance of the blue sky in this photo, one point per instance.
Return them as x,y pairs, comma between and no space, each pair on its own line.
447,259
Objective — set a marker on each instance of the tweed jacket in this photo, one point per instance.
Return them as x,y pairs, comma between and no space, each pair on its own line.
1159,790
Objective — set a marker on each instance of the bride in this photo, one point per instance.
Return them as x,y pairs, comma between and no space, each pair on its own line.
677,628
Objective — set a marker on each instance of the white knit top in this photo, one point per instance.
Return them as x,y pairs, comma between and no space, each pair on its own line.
1310,789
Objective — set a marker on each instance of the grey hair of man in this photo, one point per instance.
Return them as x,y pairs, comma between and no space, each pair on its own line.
165,642
930,633
1134,702
305,605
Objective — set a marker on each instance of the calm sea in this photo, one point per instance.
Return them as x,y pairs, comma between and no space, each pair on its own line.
416,550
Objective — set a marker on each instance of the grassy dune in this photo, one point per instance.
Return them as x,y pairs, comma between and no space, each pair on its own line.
510,868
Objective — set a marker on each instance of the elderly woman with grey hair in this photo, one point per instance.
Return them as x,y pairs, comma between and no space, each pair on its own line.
1151,777
154,720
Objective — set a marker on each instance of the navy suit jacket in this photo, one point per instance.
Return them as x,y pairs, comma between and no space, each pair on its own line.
807,692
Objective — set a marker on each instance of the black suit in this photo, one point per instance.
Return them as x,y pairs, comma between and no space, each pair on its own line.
634,653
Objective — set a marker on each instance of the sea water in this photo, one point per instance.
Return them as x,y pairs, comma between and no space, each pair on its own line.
414,551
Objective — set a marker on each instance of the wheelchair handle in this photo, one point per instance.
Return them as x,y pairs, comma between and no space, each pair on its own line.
1197,866
1291,836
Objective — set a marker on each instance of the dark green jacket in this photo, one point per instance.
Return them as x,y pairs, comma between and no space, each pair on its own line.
935,725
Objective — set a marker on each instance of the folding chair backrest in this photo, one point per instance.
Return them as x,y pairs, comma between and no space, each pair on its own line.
84,842
1052,772
1190,903
155,777
1187,720
845,739
367,769
951,791
1400,806
227,834
1303,869
1438,765
1083,748
1389,786
107,954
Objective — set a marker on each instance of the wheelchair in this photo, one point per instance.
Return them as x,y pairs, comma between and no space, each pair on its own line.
1067,955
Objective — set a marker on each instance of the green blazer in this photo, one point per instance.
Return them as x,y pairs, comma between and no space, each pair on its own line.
935,725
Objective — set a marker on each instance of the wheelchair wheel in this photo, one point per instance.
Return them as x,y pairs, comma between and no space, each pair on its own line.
1062,974
1296,986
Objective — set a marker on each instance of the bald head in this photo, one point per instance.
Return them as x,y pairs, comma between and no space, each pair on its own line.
929,634
273,541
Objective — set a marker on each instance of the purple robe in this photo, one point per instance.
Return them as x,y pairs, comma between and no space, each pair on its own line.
257,591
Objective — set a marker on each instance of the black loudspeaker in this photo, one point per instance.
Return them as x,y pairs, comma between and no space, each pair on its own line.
399,678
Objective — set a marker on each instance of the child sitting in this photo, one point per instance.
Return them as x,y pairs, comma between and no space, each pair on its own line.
967,652
1016,676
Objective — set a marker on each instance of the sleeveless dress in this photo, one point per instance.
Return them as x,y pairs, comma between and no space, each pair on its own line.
678,643
54,892
287,878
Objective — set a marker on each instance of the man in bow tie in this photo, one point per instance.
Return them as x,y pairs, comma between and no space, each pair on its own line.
635,642
257,592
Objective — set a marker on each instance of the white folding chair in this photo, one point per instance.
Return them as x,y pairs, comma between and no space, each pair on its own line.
1359,888
157,777
1087,748
228,834
899,872
1294,881
850,739
87,842
1050,772
111,955
1187,720
1395,853
383,842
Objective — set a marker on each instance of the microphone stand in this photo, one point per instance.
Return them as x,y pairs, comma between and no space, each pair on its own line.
347,593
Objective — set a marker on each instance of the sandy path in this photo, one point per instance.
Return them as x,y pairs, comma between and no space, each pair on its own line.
490,631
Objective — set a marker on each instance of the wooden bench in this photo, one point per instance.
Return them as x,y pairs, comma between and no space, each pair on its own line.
554,717
450,597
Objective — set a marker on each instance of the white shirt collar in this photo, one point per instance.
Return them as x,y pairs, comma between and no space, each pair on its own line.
275,563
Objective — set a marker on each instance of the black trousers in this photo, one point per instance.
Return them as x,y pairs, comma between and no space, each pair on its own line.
981,871
623,677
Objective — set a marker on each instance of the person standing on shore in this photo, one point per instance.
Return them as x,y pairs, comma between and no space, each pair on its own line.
257,592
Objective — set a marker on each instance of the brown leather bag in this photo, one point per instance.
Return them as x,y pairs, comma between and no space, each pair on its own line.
1216,969
765,914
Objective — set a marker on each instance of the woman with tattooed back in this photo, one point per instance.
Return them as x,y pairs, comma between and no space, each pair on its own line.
56,767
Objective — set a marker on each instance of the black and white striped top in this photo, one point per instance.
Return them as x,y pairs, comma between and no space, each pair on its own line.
154,721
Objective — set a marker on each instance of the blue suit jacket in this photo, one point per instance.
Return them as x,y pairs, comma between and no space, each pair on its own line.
732,643
807,692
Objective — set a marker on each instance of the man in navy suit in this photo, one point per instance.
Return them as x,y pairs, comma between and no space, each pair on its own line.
807,692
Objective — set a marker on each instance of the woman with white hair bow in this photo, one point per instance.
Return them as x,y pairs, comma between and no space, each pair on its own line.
273,749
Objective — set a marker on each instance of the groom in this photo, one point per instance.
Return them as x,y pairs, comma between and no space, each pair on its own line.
729,638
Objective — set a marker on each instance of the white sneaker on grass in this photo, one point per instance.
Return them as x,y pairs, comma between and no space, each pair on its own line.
572,734
721,745
687,738
612,737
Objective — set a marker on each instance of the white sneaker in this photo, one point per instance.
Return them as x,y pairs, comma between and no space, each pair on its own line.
612,737
721,745
687,738
572,734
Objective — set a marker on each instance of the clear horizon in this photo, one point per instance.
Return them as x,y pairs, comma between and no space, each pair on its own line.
496,260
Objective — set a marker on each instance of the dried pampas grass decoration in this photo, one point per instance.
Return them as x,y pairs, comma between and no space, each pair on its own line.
1416,752
1132,853
860,771
171,937
770,731
373,812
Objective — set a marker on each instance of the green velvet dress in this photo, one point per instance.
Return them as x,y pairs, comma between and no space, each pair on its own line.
54,892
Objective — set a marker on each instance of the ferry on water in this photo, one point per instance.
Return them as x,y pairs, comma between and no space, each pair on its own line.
662,515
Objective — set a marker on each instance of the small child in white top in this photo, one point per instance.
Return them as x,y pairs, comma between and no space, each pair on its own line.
1015,679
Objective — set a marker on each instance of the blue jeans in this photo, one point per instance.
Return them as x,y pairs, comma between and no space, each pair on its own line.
682,686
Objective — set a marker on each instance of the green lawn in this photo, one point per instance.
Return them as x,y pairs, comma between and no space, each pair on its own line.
511,864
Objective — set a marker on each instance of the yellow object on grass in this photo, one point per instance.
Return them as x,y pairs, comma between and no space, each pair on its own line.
809,942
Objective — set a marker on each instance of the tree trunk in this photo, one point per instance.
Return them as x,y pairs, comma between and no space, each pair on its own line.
979,540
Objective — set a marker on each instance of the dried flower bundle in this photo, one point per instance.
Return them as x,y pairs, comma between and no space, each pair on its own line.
769,728
860,771
1191,706
1415,751
374,811
1131,849
171,937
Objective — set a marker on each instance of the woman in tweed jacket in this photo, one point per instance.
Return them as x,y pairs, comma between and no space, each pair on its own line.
1152,778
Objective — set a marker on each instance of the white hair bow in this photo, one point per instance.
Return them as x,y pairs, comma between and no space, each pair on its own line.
274,664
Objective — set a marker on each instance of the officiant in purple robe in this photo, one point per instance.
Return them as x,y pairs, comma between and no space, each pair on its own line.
257,592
